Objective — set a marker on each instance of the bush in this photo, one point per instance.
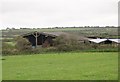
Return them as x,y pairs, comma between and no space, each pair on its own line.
67,43
23,44
8,49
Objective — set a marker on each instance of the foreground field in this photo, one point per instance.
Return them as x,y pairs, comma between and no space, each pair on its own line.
62,66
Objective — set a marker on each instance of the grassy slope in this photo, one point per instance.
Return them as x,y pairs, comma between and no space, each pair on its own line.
82,66
105,32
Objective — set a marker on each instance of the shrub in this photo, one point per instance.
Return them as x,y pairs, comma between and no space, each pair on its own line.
23,44
95,46
66,43
8,49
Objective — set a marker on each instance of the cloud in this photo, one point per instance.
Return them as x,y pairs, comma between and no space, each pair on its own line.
50,13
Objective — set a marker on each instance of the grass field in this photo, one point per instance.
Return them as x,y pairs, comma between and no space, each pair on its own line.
104,32
62,66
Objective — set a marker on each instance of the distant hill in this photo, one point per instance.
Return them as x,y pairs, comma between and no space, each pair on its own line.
111,32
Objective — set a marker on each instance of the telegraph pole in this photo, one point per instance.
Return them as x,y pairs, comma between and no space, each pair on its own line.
36,38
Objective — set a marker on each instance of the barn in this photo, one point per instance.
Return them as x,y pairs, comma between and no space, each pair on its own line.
45,39
105,41
39,38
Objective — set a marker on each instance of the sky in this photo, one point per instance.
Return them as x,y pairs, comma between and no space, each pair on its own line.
57,13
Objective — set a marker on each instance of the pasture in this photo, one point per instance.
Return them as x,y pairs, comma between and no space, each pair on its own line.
97,31
61,66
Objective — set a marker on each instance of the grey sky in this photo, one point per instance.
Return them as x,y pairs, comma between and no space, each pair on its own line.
51,13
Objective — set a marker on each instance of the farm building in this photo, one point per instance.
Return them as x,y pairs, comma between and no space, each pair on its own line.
36,38
46,38
105,41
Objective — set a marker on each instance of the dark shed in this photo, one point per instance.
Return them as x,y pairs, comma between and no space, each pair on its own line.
39,38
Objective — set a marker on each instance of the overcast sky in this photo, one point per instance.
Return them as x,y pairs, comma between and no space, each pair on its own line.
52,13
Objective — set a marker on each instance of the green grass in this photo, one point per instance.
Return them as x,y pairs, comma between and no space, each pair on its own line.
104,32
11,43
62,66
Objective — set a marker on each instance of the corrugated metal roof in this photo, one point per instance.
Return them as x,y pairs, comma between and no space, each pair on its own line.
102,40
43,33
115,40
97,40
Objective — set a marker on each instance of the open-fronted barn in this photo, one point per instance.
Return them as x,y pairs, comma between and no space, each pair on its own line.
38,38
46,38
